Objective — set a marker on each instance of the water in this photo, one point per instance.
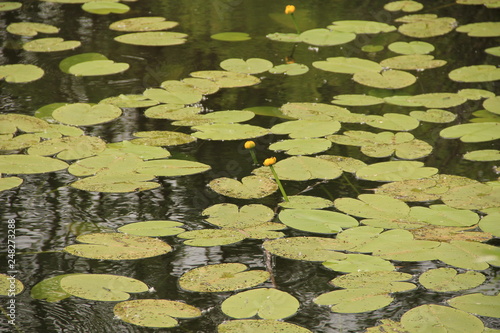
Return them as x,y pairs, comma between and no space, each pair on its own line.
49,214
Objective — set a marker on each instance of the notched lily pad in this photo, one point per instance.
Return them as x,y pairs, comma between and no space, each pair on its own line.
162,138
426,25
228,131
484,155
403,5
412,62
250,187
307,248
472,132
27,164
317,221
31,29
226,79
69,148
326,37
20,73
390,79
479,304
150,23
116,182
395,170
153,38
302,146
303,168
105,7
347,65
98,67
171,167
447,279
361,27
54,44
434,116
290,69
153,228
481,29
249,66
83,114
261,326
475,73
414,47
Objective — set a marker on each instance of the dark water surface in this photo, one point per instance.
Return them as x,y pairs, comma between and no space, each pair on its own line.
49,214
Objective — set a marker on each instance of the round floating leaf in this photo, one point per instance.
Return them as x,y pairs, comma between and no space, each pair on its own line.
444,216
355,300
434,116
361,27
403,5
172,111
475,94
492,104
50,289
266,303
150,23
472,132
9,5
305,202
20,73
113,182
289,69
359,263
153,38
303,168
325,37
415,47
400,100
347,164
117,246
231,36
317,221
395,170
250,187
347,65
432,318
8,183
484,155
472,196
357,100
306,248
225,79
249,66
477,73
83,114
19,142
225,117
231,216
490,224
372,48
388,280
172,96
393,122
157,313
447,279
101,287
27,164
373,206
221,277
285,37
302,146
69,148
228,131
481,29
319,112
10,286
51,45
438,100
261,326
495,51
412,62
170,168
386,326
118,163
31,29
162,138
447,234
390,79
479,304
212,237
129,101
152,228
98,67
68,62
143,152
425,26
105,7
468,255
204,86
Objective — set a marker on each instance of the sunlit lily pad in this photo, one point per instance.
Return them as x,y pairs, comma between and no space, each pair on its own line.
426,25
54,44
326,37
412,62
479,304
173,96
447,279
10,286
303,168
468,255
359,263
19,142
306,248
150,23
347,164
403,5
475,94
250,187
231,36
153,38
152,228
438,100
31,29
224,117
290,69
400,100
483,116
68,62
101,287
27,164
434,116
433,318
10,123
392,122
83,114
487,3
98,67
157,313
481,29
231,216
171,167
143,152
261,326
249,66
386,326
472,132
302,146
20,73
285,37
7,183
69,148
221,277
355,300
373,206
50,289
492,104
119,163
472,196
395,170
129,101
414,47
443,215
448,234
317,221
494,51
361,27
117,246
113,182
374,279
162,138
172,111
10,5
357,100
225,79
347,65
306,202
390,79
484,155
476,73
228,131
105,7
320,112
490,224
267,303
372,48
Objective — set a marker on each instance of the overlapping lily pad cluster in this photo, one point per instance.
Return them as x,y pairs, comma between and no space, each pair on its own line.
362,237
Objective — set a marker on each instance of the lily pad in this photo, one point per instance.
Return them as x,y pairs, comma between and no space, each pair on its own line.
118,163
347,164
355,300
143,152
481,29
306,248
434,116
83,114
19,142
290,69
357,100
285,37
472,196
412,62
98,67
361,27
426,25
326,37
153,38
484,155
359,263
172,111
10,5
27,164
347,65
261,326
303,168
438,100
224,117
68,62
150,23
20,73
393,122
390,79
231,36
50,289
302,146
468,255
249,66
101,287
69,148
231,216
105,7
113,182
475,94
170,168
267,303
317,221
414,47
319,112
476,73
472,132
54,44
494,51
7,183
129,101
447,279
250,187
157,313
306,202
221,277
375,279
395,170
489,224
152,228
117,246
479,304
492,104
224,132
162,138
403,5
225,79
31,29
10,286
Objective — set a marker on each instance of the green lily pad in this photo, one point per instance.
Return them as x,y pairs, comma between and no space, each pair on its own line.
303,168
136,24
326,37
143,152
357,100
249,66
488,4
492,104
369,48
302,146
69,148
172,111
173,96
290,69
361,27
477,73
117,246
19,142
347,65
359,263
221,277
98,67
204,86
266,303
319,112
101,287
355,300
171,168
475,94
438,100
375,279
285,37
390,79
113,182
468,255
433,318
489,224
447,279
31,29
157,313
305,202
393,122
412,62
68,62
483,116
261,326
152,228
481,29
403,5
50,289
83,114
484,155
225,79
231,36
307,248
10,286
153,38
162,138
479,304
373,206
250,187
118,163
444,216
224,132
20,73
317,221
27,164
400,100
105,7
494,51
426,25
129,101
414,47
7,183
386,326
10,5
472,132
224,117
395,170
472,196
434,116
231,216
54,44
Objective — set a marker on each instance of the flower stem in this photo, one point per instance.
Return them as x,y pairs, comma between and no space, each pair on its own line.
295,23
283,193
254,157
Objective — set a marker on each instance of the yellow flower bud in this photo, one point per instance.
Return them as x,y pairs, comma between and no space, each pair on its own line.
289,9
270,161
249,145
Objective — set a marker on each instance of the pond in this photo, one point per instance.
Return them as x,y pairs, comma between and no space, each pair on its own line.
139,189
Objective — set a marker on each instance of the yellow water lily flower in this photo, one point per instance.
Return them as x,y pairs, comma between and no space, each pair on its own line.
249,145
289,9
270,161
